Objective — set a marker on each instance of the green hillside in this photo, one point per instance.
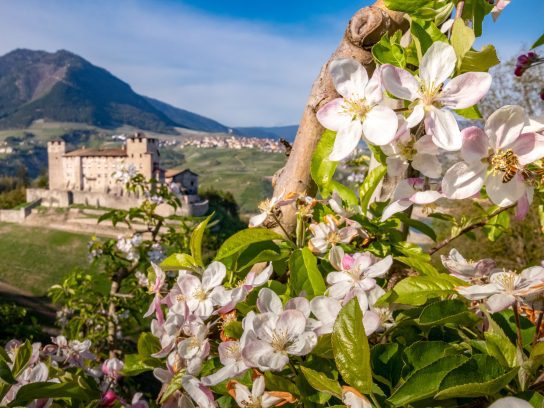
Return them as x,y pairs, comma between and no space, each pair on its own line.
33,259
246,173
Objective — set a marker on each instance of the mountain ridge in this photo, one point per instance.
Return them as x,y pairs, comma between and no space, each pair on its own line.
64,87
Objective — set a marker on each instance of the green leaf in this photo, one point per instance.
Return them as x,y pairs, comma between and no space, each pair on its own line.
538,42
422,39
419,265
480,61
322,169
476,10
386,363
5,373
174,385
423,353
462,38
418,225
277,382
38,390
450,311
233,329
321,382
22,357
148,344
378,154
196,240
424,383
305,275
389,51
500,347
478,377
136,364
323,348
497,225
350,347
242,239
416,290
178,261
369,185
345,193
470,113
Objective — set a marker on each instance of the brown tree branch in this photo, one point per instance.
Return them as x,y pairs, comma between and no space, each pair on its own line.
468,228
365,28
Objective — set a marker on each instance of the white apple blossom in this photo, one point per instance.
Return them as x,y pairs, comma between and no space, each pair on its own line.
375,319
505,288
358,112
112,368
271,338
407,193
495,157
257,397
200,295
228,299
468,271
430,97
155,288
267,208
356,273
195,348
327,234
230,355
422,153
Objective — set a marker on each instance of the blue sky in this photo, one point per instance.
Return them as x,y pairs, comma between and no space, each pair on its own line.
238,61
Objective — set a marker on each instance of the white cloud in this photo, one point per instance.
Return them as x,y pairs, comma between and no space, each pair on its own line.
234,71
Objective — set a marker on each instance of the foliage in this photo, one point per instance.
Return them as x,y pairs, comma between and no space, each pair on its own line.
343,308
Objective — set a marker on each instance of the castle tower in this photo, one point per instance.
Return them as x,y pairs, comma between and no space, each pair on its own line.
143,152
55,150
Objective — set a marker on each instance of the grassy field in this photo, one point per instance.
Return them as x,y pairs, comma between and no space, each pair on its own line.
246,173
33,259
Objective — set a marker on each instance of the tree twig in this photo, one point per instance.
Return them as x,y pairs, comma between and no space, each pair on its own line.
459,10
468,228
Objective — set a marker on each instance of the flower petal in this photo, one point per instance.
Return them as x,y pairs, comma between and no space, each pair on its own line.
373,90
380,125
380,268
427,164
395,207
349,77
499,302
346,141
371,322
475,144
417,115
443,128
463,180
504,194
504,126
213,275
510,402
425,197
326,309
399,82
437,64
268,301
465,90
478,292
332,115
528,147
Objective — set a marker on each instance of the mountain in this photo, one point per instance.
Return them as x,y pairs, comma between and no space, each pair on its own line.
187,119
276,132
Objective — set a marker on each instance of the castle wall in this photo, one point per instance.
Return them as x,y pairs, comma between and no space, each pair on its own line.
55,150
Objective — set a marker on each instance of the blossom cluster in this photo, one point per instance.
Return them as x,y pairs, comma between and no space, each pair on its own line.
500,288
498,156
200,303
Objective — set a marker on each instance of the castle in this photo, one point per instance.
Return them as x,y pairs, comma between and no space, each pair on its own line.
86,176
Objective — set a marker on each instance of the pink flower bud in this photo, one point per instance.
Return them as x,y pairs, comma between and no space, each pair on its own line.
532,56
108,399
523,59
542,94
519,71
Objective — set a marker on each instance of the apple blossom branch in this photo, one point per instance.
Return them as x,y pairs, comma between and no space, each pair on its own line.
469,228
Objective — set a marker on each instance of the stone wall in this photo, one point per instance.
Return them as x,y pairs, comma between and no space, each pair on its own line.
49,198
18,215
